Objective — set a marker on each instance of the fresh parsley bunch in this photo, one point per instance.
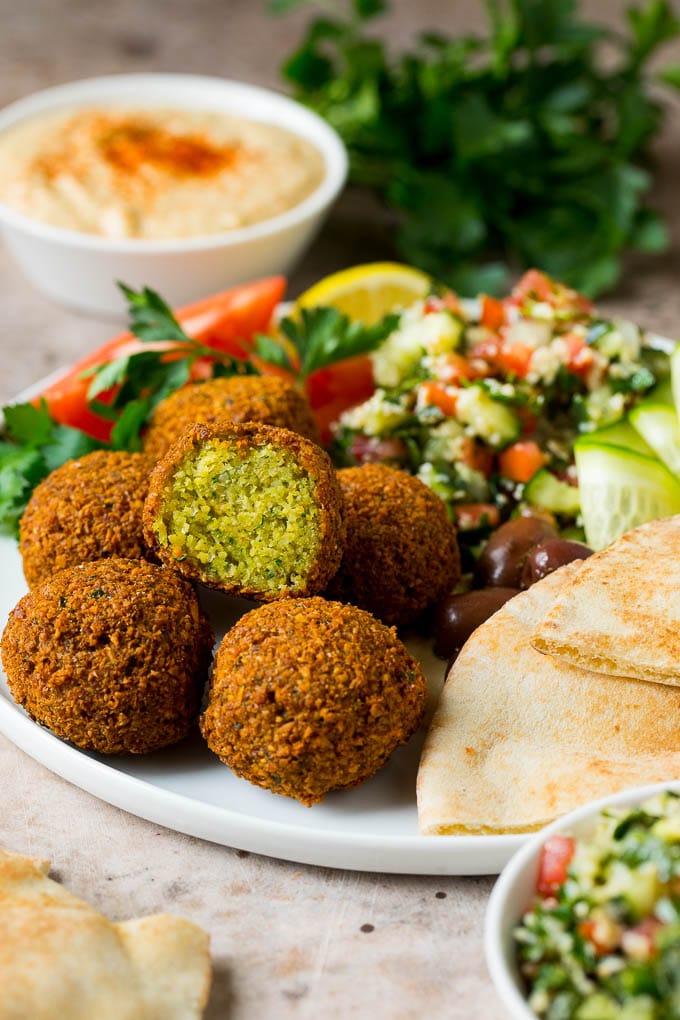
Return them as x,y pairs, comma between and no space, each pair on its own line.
522,147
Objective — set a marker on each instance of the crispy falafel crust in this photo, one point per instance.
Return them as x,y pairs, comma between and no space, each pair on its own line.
266,399
245,437
111,655
401,550
87,509
308,696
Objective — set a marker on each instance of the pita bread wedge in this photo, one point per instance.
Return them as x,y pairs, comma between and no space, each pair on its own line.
519,737
62,960
621,615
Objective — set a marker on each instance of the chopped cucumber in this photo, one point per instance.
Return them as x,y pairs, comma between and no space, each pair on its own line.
487,418
546,491
656,419
620,489
675,377
621,434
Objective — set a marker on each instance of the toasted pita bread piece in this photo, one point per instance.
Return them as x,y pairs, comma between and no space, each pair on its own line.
60,958
519,737
621,615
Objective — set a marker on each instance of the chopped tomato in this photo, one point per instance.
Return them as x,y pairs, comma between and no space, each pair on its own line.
471,516
437,395
555,859
533,284
603,933
639,942
478,456
226,321
332,390
442,303
538,286
493,313
580,355
521,460
453,368
514,359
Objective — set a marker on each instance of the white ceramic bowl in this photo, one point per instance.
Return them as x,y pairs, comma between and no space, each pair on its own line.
80,270
514,891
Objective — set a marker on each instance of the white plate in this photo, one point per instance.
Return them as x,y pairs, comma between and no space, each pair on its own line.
372,828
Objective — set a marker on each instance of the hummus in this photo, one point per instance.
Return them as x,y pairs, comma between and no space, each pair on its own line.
154,173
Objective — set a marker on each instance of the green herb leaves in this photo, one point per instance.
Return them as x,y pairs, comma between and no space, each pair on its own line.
518,148
322,336
35,445
142,379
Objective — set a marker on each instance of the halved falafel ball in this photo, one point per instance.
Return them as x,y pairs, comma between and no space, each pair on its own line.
111,655
401,550
250,509
308,696
266,399
87,509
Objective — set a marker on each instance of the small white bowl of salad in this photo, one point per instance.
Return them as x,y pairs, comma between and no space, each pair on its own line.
584,922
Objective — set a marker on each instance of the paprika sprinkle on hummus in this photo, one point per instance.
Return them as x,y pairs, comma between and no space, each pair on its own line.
154,173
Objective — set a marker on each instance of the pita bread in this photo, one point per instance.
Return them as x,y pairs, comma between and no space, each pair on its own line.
519,738
622,613
60,958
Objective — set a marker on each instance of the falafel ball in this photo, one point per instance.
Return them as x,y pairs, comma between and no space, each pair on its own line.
267,399
250,509
87,509
401,550
111,655
308,696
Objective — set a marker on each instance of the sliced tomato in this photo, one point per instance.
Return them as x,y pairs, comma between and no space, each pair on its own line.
521,460
332,390
556,855
226,321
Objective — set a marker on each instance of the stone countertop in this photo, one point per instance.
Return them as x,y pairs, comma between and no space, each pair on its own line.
288,941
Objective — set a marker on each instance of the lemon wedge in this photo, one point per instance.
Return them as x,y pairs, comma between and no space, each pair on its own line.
368,292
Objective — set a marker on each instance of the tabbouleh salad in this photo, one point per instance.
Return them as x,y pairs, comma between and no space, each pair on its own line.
602,941
482,399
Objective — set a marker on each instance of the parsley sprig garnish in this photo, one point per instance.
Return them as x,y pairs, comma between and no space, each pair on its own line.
320,337
141,380
133,384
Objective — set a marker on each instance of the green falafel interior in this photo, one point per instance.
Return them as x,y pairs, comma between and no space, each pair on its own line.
241,509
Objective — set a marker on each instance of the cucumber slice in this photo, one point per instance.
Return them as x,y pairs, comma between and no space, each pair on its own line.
621,434
548,492
620,489
657,421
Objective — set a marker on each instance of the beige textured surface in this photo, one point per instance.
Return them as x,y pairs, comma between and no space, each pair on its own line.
288,941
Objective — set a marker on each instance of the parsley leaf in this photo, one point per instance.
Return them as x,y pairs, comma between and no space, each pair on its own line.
38,446
513,148
321,336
